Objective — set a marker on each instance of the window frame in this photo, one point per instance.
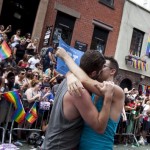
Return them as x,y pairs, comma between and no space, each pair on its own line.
107,4
102,39
136,42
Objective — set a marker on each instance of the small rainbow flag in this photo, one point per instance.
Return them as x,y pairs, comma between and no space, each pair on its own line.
5,51
32,114
13,97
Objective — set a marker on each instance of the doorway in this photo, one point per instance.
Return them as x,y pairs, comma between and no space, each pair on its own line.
20,14
126,83
64,26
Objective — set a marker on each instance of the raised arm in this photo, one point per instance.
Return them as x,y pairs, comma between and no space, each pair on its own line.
78,72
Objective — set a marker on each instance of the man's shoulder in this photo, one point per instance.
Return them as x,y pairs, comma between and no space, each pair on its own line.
76,98
118,89
119,92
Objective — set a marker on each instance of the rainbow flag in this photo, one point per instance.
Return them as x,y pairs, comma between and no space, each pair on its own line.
13,97
148,46
5,51
19,115
32,114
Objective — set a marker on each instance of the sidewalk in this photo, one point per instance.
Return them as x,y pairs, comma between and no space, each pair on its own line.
116,147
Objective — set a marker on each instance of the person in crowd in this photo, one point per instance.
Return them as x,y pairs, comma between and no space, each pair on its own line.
33,93
23,63
45,79
39,69
9,62
146,121
1,87
15,39
35,75
4,31
28,38
49,58
33,60
78,106
19,50
29,73
5,38
59,79
8,85
32,47
21,79
51,71
46,93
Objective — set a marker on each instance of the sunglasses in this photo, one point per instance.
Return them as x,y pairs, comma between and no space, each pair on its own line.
22,73
46,88
36,75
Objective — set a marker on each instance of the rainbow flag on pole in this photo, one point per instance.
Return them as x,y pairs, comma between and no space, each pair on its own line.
19,115
13,97
5,51
32,114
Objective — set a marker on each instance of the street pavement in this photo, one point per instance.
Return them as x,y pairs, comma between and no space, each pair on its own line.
116,147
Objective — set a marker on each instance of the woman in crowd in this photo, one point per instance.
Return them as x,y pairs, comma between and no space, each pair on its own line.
32,47
23,63
33,94
15,39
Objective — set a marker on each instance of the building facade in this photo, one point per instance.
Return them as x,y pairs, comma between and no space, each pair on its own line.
132,47
85,24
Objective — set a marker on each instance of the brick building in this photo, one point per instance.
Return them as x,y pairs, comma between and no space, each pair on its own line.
85,24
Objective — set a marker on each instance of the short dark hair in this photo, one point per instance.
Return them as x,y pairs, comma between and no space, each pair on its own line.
113,63
21,70
92,60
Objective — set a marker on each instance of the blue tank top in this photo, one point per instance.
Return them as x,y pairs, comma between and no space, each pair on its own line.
91,140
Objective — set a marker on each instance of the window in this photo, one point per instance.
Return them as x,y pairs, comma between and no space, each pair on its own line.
99,39
64,26
136,42
109,3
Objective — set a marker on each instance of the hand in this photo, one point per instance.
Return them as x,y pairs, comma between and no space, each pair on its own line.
74,85
38,96
61,52
140,115
107,89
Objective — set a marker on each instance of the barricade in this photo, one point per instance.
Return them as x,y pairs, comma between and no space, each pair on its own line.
130,129
3,133
5,119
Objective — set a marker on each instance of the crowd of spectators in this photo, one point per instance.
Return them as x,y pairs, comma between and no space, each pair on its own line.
136,120
33,75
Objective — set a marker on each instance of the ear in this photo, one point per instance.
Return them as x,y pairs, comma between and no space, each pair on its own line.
93,74
113,71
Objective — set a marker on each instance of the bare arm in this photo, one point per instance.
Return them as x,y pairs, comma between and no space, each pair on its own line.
31,98
78,72
30,46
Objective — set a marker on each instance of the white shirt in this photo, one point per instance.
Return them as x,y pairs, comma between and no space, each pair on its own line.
146,107
32,61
